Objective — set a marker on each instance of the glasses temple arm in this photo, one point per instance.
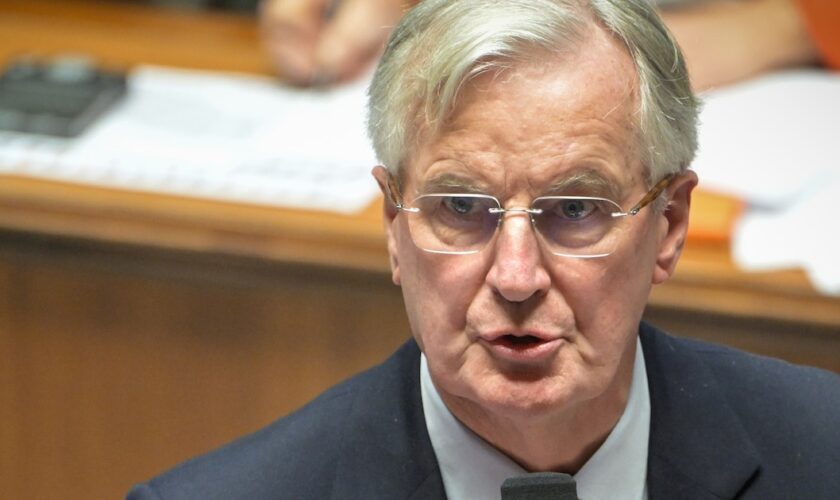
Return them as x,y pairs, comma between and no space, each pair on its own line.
393,192
653,193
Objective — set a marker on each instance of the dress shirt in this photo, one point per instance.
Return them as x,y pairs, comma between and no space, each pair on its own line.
471,468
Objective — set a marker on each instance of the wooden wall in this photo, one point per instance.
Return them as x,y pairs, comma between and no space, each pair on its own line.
118,363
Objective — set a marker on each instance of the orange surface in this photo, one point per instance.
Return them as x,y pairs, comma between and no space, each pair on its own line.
822,18
713,217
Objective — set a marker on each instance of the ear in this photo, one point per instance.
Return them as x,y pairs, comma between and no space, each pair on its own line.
389,214
676,225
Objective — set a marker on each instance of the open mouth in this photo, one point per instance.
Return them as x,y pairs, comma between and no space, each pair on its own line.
515,341
524,348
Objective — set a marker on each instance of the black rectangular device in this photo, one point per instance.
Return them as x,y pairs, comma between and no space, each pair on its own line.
58,97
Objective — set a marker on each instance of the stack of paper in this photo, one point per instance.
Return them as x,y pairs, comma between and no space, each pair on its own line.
230,137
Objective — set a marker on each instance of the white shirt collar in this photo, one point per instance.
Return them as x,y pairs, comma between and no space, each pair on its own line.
472,468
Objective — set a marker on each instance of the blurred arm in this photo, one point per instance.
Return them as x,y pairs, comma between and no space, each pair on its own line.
727,41
314,42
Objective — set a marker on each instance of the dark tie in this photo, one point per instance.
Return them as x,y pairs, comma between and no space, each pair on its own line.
540,486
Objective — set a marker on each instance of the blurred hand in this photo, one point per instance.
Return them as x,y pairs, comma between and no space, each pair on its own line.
319,42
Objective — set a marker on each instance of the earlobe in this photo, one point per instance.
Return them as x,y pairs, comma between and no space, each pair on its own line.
676,217
389,214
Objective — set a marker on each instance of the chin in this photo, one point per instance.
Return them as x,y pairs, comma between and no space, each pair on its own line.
531,397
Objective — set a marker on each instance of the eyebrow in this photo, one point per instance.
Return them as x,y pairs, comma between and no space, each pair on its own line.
451,183
584,183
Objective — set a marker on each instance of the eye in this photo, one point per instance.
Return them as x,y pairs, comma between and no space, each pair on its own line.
460,205
575,208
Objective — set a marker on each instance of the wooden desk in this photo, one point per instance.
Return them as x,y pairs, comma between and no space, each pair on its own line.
139,329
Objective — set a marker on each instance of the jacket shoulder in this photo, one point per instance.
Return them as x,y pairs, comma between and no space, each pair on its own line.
294,457
756,384
790,413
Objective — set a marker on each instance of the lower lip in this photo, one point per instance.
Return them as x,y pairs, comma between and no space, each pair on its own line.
532,352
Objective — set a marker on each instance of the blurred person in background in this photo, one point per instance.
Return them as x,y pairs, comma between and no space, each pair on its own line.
318,42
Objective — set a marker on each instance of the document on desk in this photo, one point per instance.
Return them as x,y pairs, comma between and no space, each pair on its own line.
771,139
804,235
774,142
222,136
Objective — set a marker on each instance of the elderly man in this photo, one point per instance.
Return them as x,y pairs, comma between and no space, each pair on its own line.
535,175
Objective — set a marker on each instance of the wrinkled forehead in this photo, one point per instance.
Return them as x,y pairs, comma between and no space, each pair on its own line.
549,114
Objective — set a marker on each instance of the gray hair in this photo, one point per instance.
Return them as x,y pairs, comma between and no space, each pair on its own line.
441,44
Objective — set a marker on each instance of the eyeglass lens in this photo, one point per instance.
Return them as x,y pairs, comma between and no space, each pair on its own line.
465,223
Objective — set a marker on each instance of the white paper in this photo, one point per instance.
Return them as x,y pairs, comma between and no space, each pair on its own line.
771,139
805,234
222,136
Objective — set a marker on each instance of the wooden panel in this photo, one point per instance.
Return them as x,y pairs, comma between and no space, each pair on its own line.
117,364
807,344
201,225
8,387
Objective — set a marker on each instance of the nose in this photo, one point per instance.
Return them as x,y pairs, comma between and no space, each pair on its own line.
518,271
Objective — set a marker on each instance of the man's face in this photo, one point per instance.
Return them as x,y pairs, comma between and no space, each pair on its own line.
514,330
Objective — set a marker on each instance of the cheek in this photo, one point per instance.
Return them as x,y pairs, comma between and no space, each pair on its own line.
608,295
630,272
438,291
587,287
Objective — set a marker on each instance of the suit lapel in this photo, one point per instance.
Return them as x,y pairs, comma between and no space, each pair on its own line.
698,446
388,415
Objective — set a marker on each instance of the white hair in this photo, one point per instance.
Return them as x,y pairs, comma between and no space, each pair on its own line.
441,44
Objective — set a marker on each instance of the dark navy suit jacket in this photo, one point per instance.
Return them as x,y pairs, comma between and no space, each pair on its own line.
724,424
